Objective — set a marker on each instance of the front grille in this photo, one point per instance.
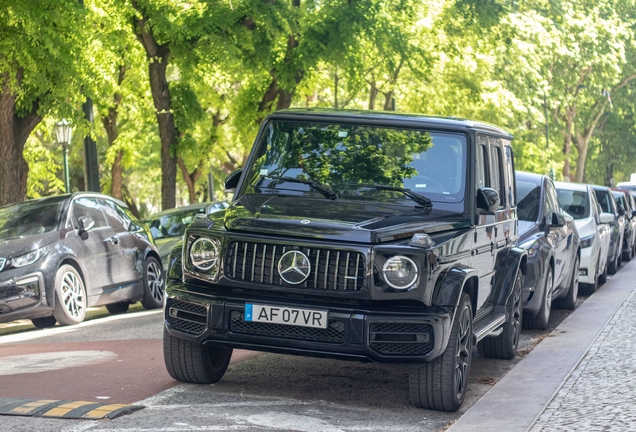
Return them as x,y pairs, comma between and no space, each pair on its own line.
330,269
334,333
187,317
401,338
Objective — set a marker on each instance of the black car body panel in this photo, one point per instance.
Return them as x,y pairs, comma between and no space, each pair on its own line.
108,258
347,242
548,245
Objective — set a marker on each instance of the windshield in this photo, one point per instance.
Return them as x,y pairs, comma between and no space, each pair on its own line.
171,225
352,160
576,203
528,200
30,218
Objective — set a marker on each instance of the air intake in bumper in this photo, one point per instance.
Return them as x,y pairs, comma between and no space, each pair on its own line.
187,317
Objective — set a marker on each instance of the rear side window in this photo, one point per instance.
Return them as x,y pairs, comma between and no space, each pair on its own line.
529,201
116,217
604,200
496,168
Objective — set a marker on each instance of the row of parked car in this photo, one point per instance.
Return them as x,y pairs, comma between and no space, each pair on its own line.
62,254
555,220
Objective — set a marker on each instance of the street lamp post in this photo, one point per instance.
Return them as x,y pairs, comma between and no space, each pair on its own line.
64,132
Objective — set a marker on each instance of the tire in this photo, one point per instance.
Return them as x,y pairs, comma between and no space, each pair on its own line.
505,345
70,296
540,322
619,259
627,256
191,362
117,308
612,267
154,284
44,322
441,383
602,278
569,301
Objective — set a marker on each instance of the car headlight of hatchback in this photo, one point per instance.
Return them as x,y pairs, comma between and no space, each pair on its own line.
400,272
28,258
204,256
587,241
532,247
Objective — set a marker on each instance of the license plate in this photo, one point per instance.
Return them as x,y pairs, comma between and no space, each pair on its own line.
286,315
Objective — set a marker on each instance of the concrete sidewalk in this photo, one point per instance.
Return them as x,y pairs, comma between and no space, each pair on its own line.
580,378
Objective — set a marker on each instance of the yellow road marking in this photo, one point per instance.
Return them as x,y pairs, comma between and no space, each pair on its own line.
102,411
65,409
31,406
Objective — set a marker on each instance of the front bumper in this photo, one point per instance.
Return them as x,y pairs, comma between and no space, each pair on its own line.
587,267
386,336
23,296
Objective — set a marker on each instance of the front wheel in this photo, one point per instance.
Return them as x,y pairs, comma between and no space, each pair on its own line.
569,301
441,384
540,322
505,345
153,284
70,296
191,362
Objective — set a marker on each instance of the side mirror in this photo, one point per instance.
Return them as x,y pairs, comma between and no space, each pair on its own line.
633,213
607,218
557,220
231,181
487,200
85,223
621,210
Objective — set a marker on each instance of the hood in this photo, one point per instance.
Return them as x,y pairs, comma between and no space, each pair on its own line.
17,246
345,220
165,245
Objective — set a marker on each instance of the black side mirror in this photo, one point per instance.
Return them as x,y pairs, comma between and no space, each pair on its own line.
487,200
621,210
557,220
85,224
231,181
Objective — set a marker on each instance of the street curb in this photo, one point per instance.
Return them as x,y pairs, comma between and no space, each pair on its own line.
517,401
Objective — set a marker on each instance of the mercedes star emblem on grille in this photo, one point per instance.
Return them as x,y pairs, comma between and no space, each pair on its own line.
294,267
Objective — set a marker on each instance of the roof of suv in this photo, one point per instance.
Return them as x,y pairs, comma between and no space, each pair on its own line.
417,120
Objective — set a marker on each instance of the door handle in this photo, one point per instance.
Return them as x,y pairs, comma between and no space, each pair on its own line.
114,240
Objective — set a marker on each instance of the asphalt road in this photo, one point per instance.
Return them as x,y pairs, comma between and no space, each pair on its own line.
118,359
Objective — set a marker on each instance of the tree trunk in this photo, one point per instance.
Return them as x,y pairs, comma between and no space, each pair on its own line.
567,143
191,178
388,101
158,56
14,132
582,143
112,131
373,93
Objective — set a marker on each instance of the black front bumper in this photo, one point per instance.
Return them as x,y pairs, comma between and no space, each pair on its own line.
385,336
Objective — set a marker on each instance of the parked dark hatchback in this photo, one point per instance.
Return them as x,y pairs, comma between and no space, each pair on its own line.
356,235
608,204
553,244
62,254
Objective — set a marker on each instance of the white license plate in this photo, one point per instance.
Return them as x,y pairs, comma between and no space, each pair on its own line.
286,315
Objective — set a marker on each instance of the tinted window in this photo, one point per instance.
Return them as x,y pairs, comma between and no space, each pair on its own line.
576,203
604,200
116,216
480,172
89,207
529,196
511,176
347,157
497,174
30,218
171,225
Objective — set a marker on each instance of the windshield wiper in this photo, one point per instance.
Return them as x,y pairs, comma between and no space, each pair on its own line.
327,192
420,199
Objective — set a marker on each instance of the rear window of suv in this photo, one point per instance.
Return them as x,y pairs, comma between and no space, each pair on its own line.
576,203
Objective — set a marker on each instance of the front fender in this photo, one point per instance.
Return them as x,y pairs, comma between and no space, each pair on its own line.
514,261
450,284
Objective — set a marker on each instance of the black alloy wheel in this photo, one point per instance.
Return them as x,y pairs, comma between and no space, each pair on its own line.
154,284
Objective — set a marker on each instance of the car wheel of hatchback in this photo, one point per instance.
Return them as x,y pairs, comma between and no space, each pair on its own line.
153,284
70,296
441,384
117,308
191,362
602,277
569,301
505,345
44,322
540,322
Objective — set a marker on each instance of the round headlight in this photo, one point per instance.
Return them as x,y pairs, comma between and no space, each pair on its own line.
204,253
400,272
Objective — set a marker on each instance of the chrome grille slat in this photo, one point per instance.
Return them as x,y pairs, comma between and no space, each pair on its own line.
244,264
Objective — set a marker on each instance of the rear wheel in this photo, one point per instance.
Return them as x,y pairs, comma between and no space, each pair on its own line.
540,322
44,322
441,384
153,284
569,301
70,296
505,345
191,362
117,308
629,254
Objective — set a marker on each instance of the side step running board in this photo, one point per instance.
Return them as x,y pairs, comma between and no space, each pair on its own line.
490,325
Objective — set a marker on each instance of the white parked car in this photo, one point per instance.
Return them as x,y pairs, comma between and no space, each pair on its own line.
593,225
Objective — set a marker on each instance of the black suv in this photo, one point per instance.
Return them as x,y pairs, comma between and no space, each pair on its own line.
356,235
